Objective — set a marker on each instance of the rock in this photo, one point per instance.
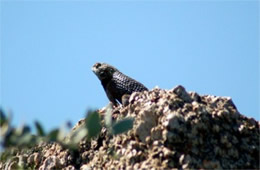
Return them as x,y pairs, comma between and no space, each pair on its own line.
173,129
181,93
52,162
85,167
70,167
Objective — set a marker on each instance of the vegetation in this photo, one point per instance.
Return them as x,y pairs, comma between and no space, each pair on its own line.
14,139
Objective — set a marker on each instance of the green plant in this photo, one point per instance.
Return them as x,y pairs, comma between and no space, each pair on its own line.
13,139
117,127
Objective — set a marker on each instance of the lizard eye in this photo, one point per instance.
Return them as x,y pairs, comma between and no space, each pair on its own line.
97,65
111,70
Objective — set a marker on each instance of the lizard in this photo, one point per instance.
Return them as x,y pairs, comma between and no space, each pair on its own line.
115,83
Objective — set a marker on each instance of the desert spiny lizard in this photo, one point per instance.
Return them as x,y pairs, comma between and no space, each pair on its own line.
115,83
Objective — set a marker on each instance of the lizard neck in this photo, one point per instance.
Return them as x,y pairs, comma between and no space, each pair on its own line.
105,81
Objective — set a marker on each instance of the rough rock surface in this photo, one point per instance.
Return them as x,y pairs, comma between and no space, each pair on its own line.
172,129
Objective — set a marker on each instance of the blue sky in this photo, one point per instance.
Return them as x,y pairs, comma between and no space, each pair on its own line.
48,48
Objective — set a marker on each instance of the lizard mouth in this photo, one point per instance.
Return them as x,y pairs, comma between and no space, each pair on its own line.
95,67
99,71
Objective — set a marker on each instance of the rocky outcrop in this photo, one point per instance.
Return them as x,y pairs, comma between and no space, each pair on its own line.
172,129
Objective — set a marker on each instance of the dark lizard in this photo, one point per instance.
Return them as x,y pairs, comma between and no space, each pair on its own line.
115,83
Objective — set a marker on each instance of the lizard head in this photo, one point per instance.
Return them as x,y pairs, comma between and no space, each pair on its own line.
103,71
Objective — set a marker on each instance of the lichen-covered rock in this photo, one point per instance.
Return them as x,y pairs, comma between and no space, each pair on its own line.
172,129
